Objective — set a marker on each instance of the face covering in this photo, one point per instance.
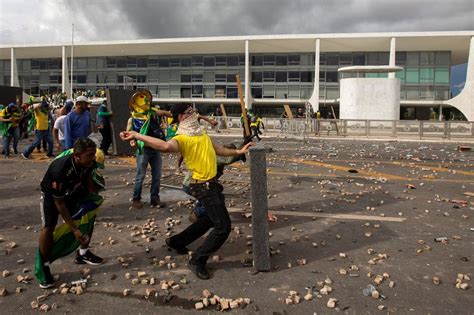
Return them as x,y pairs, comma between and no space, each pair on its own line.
190,126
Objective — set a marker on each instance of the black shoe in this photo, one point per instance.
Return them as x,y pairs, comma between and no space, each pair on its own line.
24,156
199,269
15,151
155,202
179,250
51,155
49,280
88,258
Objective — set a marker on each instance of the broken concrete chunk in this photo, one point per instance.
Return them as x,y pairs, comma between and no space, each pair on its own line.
34,304
3,292
6,273
199,306
44,308
332,303
126,292
436,280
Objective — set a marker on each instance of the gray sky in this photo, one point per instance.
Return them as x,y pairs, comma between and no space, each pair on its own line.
49,21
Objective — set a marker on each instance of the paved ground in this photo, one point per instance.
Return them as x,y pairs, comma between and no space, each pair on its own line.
339,203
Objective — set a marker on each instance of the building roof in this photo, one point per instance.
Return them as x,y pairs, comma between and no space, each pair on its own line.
455,41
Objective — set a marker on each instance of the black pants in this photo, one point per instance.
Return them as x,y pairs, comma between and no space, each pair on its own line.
209,194
106,138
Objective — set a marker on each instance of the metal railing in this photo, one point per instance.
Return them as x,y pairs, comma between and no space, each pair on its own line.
405,129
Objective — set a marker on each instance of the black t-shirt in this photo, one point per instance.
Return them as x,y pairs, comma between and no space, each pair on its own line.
64,179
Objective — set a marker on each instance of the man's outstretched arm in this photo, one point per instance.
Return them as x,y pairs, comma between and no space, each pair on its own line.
154,143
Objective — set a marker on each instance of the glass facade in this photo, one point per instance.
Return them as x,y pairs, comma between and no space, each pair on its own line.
426,75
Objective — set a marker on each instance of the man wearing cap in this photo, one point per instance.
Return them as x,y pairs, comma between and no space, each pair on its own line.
199,153
42,130
77,123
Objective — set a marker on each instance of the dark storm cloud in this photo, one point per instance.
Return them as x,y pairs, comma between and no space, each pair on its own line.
135,19
183,18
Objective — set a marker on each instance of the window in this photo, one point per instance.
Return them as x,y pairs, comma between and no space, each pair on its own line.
256,76
209,91
332,59
269,60
175,76
293,76
54,64
322,92
164,63
221,61
35,65
232,92
101,63
413,59
383,58
427,58
322,76
175,91
91,77
142,62
442,75
44,78
306,92
153,62
306,76
322,59
220,91
268,91
196,91
241,60
185,78
268,76
412,93
101,77
358,59
196,78
232,61
427,92
92,63
257,60
186,62
131,62
441,93
163,76
331,76
293,91
111,62
400,75
256,92
400,58
175,62
163,91
281,76
220,77
426,75
231,77
307,60
294,60
281,60
372,59
209,76
443,58
121,62
197,61
208,61
281,92
412,75
345,59
332,92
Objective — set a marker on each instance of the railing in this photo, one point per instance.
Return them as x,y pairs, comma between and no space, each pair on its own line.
406,129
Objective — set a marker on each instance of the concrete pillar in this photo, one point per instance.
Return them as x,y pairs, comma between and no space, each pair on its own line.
393,44
65,88
14,81
247,77
314,99
440,118
258,184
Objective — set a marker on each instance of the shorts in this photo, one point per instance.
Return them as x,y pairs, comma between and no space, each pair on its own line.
48,210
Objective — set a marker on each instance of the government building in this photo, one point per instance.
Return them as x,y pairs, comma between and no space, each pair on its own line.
298,70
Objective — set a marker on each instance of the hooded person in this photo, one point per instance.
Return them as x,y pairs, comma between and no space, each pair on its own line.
199,153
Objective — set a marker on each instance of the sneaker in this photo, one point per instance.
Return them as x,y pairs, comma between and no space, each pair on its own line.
24,156
88,258
137,204
155,202
179,250
51,155
49,280
199,269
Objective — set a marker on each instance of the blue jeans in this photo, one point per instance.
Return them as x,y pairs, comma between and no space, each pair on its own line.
13,133
39,136
153,158
199,208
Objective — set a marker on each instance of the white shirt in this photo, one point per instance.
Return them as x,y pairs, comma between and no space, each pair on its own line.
59,125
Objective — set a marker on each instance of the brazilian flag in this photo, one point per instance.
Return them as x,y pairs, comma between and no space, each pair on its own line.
83,212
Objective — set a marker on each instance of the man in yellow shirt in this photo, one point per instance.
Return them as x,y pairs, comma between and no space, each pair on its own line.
199,153
10,118
42,131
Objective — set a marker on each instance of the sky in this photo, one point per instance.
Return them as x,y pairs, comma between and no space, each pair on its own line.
49,21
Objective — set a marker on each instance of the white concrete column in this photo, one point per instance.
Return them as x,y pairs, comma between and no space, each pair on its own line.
14,81
65,88
247,77
391,63
440,118
314,99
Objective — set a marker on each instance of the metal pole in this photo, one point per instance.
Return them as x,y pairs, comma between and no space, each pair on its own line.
258,182
71,95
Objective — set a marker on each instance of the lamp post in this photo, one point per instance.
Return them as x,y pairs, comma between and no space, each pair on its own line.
72,62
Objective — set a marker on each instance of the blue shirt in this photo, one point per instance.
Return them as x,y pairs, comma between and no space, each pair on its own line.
76,126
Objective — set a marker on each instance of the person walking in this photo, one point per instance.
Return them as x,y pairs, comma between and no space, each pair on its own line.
103,124
42,130
77,123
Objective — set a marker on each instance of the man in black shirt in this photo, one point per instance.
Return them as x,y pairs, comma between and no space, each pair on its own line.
67,180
